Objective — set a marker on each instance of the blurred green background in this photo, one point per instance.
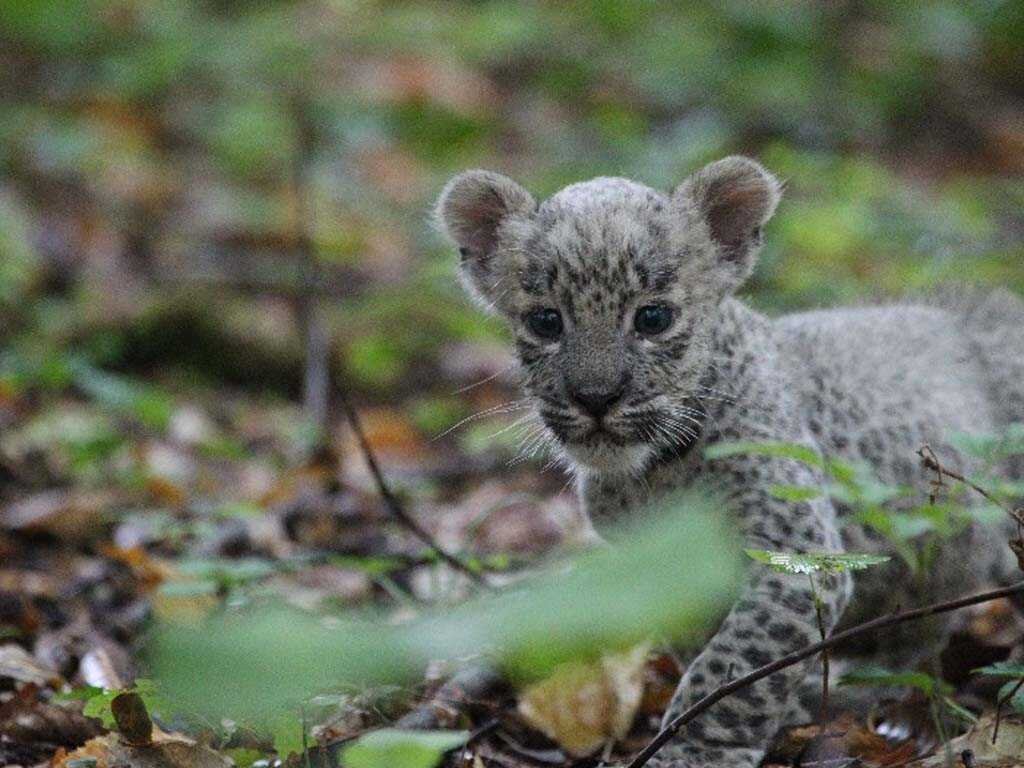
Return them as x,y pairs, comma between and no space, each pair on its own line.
162,163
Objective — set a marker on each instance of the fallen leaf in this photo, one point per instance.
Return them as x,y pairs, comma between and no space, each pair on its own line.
149,571
166,751
133,722
1006,752
68,515
26,720
19,665
396,748
583,706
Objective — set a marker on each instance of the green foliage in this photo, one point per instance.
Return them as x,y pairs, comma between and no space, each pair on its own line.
815,562
672,578
18,260
880,677
913,531
393,748
98,700
779,450
795,493
938,692
120,394
1010,670
1012,692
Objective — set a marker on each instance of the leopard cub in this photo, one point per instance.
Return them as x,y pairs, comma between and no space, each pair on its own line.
637,356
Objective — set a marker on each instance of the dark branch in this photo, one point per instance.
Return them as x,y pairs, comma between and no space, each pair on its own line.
670,730
393,504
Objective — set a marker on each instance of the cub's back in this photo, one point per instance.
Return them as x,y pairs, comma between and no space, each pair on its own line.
875,383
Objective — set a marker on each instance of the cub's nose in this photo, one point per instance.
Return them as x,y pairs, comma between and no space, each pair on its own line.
597,402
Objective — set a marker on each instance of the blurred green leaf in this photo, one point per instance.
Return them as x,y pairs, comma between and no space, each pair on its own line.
672,578
878,676
795,493
780,450
1008,669
393,748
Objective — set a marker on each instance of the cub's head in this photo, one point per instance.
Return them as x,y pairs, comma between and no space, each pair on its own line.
609,288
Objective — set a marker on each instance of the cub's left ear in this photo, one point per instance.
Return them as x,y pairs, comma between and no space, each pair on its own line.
735,197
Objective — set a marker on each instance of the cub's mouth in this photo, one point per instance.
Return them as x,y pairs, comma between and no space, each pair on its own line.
606,446
585,431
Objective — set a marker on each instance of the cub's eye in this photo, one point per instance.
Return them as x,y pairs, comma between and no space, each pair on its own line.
652,319
546,323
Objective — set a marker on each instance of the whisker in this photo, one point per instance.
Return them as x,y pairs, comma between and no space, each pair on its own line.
507,407
483,381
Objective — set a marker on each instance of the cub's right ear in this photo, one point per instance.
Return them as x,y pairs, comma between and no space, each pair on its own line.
472,210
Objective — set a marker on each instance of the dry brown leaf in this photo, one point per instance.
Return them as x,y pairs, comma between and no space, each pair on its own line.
68,515
583,706
1006,752
150,571
844,737
166,751
133,721
388,431
19,665
166,492
27,720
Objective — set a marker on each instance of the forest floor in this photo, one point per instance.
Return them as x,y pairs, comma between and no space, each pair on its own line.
130,504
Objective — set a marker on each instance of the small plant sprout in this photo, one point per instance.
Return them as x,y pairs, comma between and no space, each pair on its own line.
1011,693
936,691
914,531
810,564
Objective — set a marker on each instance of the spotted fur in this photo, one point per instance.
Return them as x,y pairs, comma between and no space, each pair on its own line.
865,385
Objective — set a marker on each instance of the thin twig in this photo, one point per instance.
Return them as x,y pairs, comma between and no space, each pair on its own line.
931,461
317,383
466,689
882,622
1003,700
818,611
391,501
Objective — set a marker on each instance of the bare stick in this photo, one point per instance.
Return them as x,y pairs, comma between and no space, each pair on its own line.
393,504
465,689
823,716
317,375
931,461
1003,700
316,381
701,706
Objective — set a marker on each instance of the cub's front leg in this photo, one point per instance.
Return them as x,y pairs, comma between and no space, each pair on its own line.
774,616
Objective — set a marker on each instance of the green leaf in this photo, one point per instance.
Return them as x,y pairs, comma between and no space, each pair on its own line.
880,677
1016,700
795,493
393,748
119,393
286,733
98,700
675,577
1008,669
779,450
965,715
1010,442
98,706
242,756
814,562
